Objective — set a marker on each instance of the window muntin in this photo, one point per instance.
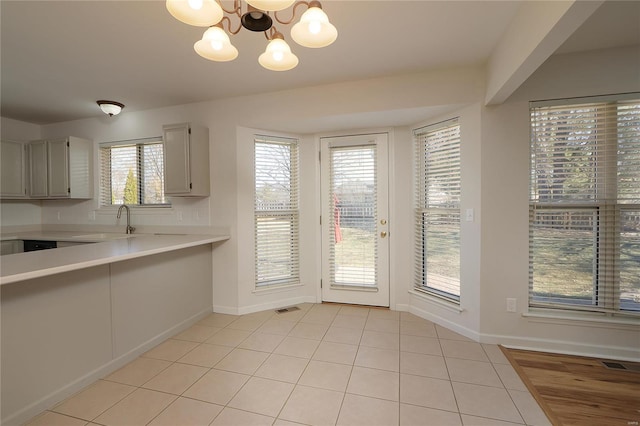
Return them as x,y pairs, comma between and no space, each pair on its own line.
276,212
132,172
437,210
584,227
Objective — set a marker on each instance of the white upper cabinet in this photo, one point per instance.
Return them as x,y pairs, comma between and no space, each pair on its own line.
58,169
186,160
61,168
12,170
38,169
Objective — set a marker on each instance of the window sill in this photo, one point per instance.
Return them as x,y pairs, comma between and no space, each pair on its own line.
593,319
438,301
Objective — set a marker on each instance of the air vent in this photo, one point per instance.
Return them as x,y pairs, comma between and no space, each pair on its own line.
623,366
285,310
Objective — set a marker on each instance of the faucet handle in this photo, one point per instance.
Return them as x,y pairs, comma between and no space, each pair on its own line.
130,229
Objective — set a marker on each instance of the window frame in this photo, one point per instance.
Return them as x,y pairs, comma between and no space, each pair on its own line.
289,211
447,210
105,182
602,200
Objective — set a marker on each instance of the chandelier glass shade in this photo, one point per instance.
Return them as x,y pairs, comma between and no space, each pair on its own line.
271,5
278,56
216,46
200,13
313,30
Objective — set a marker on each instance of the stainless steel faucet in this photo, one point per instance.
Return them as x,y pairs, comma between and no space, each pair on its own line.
130,228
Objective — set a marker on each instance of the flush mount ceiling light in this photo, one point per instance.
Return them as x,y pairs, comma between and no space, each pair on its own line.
313,30
110,107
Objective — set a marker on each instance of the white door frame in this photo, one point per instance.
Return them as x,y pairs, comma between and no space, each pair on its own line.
381,296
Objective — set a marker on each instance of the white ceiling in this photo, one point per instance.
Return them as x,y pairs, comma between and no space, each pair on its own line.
59,57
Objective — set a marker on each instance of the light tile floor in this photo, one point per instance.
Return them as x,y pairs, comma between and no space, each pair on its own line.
324,364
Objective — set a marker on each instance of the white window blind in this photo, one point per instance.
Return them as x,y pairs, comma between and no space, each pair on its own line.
584,227
276,212
353,240
132,172
437,210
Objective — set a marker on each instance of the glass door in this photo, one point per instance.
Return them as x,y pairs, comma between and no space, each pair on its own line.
355,249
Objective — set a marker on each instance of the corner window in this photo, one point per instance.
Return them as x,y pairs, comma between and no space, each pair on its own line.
132,172
437,210
277,259
584,205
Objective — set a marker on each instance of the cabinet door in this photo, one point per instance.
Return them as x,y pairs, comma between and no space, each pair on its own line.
38,169
58,168
177,175
12,178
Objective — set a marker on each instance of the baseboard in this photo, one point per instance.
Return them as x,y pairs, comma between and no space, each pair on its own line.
61,394
401,307
229,310
243,310
467,332
564,347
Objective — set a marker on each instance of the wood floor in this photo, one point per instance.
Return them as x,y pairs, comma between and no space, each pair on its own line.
578,390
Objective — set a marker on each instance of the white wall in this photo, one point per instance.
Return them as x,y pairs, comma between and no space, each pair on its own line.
135,125
330,110
466,318
251,300
495,166
505,180
388,101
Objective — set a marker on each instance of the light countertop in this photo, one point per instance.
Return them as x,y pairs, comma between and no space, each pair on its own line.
107,248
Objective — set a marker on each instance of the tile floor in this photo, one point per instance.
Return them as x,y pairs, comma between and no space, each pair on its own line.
324,364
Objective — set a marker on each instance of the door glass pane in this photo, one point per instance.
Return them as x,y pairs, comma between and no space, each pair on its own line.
353,240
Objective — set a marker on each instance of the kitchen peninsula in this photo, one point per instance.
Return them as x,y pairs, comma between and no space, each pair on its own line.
72,315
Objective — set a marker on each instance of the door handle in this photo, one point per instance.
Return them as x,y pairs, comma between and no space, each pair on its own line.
383,234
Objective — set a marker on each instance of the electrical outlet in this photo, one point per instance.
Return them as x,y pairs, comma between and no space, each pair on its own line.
511,304
179,216
92,216
469,215
58,215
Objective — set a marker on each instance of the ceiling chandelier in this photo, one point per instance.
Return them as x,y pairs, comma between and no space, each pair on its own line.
313,30
110,108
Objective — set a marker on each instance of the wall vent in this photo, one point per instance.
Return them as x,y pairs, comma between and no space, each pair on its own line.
285,310
625,366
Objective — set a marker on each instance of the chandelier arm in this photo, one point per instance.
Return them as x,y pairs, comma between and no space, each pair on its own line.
269,33
293,15
231,31
235,10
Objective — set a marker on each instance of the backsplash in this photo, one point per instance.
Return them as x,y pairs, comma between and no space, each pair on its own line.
52,213
20,213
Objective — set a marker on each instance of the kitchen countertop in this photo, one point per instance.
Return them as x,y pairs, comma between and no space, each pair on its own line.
107,248
79,237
